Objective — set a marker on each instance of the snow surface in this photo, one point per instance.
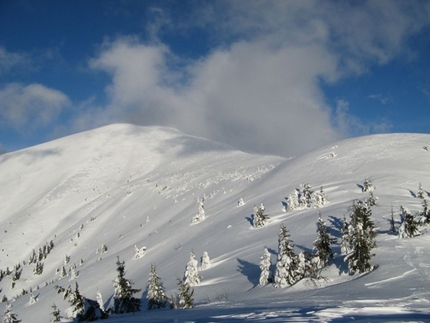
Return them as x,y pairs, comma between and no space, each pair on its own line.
124,186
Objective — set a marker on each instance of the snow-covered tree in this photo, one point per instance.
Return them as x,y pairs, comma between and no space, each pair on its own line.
38,269
124,302
420,192
265,264
408,225
9,316
367,185
99,299
192,276
206,261
156,295
287,264
293,201
392,222
201,215
185,296
426,212
56,315
346,239
362,237
33,299
306,196
371,200
318,199
62,272
77,301
323,243
241,202
259,219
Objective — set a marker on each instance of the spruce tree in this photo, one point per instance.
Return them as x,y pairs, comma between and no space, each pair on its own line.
265,264
192,276
426,212
185,295
287,264
56,317
420,193
323,243
9,316
38,269
156,295
124,302
362,238
259,219
367,185
345,246
408,226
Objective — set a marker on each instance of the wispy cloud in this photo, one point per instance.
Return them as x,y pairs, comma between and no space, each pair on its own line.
10,60
383,99
26,107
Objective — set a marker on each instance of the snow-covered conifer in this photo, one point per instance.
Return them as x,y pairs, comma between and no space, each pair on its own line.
38,269
192,276
287,264
303,265
33,299
185,296
156,295
63,272
346,239
56,315
124,302
323,243
259,219
318,199
362,238
265,264
9,316
201,215
367,185
77,301
205,261
371,200
99,299
241,202
392,222
408,226
420,192
293,201
426,212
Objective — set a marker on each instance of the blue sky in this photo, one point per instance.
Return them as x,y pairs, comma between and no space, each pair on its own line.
273,77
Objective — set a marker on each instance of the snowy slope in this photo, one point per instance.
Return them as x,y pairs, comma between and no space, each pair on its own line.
124,185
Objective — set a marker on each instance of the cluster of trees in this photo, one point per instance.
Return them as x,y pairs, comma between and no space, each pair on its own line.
305,197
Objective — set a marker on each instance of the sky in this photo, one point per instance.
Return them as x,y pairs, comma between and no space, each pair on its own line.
268,77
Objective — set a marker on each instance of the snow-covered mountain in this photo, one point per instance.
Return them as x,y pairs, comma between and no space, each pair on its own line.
126,186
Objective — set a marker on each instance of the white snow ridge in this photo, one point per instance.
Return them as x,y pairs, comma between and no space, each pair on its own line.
135,190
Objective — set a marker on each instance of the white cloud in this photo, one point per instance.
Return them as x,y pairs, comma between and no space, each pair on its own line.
10,60
28,107
260,89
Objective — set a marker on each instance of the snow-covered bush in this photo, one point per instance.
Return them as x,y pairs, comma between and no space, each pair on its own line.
367,185
139,252
241,202
259,219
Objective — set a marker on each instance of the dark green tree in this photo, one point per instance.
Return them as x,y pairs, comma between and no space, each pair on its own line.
124,302
322,245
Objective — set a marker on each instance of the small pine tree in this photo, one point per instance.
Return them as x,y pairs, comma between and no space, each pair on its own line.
392,222
77,301
323,243
124,302
265,264
156,295
362,239
293,201
259,218
420,193
367,185
371,200
38,269
9,316
426,212
185,295
345,246
408,226
287,264
192,276
56,314
206,261
201,215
